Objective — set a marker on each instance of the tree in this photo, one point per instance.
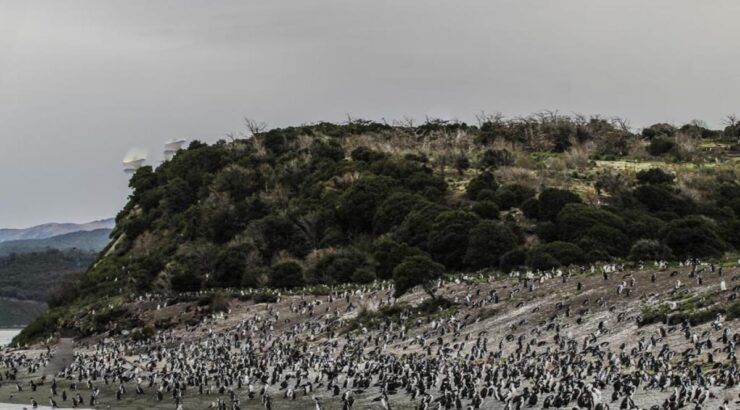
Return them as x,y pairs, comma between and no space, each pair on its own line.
531,208
565,253
389,254
658,130
230,266
496,158
553,200
514,259
575,219
649,250
323,150
660,146
485,209
462,163
275,233
177,195
358,204
610,182
693,236
143,180
364,154
415,228
487,242
217,216
287,275
393,210
538,259
513,195
238,182
448,238
342,267
186,281
659,198
642,225
605,240
417,271
484,180
654,176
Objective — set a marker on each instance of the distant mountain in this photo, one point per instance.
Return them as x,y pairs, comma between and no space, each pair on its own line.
93,240
53,229
28,275
15,313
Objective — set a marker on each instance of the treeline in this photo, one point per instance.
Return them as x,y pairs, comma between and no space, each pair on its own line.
29,276
330,204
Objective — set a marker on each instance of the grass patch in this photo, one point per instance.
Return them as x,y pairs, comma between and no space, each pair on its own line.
696,310
402,313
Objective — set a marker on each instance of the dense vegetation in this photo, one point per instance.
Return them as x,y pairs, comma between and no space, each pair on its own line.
15,313
332,204
88,241
27,276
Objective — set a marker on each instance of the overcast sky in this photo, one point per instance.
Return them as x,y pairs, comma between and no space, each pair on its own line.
82,82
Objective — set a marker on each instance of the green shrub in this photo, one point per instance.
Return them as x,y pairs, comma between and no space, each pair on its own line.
513,196
487,242
495,158
553,200
659,130
693,236
512,260
186,281
389,253
448,238
660,146
342,267
484,180
43,326
565,253
654,176
416,271
393,210
286,275
415,228
532,208
539,260
604,239
358,204
485,209
141,334
547,231
649,250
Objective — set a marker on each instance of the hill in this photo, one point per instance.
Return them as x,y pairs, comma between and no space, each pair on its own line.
15,313
27,276
481,333
52,229
94,241
331,204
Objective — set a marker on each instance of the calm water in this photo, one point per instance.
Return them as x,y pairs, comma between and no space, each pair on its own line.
6,335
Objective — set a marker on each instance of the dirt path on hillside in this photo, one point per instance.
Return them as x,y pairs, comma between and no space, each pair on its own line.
63,356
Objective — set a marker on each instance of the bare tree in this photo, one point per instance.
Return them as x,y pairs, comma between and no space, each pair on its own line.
483,118
254,126
730,120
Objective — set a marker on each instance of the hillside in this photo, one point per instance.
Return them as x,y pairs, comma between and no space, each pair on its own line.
90,241
15,313
29,269
330,204
618,328
52,229
27,276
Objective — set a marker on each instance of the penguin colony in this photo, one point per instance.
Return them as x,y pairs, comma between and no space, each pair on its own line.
573,339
